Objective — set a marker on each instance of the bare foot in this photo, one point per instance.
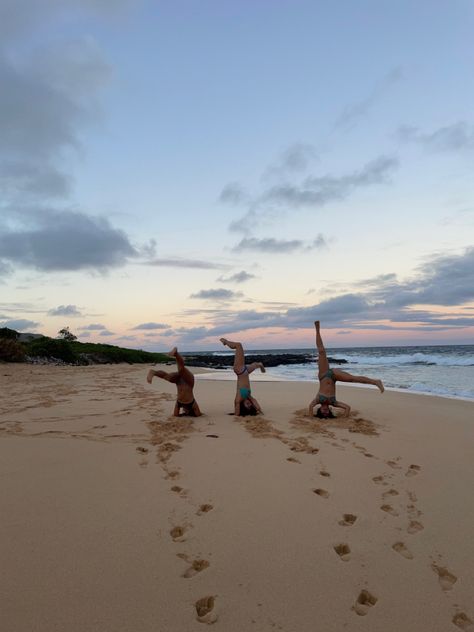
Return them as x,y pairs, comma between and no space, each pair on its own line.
150,375
316,324
224,341
262,368
173,352
379,385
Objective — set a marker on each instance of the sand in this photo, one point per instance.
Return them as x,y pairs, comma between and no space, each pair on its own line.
116,516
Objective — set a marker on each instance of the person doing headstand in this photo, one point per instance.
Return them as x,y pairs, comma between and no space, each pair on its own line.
184,380
244,403
326,396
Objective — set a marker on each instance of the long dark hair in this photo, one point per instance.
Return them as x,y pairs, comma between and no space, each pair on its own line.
321,416
244,411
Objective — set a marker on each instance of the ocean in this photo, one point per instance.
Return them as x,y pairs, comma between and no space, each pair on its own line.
440,370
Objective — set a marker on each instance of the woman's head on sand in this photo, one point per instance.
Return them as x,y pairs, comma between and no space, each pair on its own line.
324,412
247,408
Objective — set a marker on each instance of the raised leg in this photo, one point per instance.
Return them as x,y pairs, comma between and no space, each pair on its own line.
182,370
239,359
323,364
256,365
342,376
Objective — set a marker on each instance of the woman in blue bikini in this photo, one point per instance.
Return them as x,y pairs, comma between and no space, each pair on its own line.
244,403
326,396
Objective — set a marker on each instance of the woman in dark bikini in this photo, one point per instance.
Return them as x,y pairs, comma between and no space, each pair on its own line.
327,383
184,380
244,403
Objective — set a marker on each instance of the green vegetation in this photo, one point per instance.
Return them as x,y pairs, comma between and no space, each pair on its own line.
9,334
72,351
11,350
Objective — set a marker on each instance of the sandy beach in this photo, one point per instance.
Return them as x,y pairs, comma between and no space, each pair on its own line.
116,516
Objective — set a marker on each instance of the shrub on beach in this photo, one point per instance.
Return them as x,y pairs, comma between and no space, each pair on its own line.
51,348
11,350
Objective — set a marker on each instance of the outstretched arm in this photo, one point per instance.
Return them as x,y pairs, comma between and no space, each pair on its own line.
152,374
345,407
312,405
196,409
237,406
256,404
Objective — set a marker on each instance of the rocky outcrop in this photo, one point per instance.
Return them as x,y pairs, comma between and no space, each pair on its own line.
268,359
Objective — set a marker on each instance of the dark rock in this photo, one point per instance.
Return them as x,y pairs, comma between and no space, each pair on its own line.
268,359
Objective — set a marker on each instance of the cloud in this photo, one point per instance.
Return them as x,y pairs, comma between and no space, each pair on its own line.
20,324
278,246
51,240
233,193
294,159
5,269
238,277
151,326
383,303
352,114
455,137
106,332
176,262
64,310
49,95
93,327
218,294
317,191
17,17
313,192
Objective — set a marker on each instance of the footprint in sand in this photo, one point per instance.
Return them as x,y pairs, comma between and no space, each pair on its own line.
196,567
462,621
413,470
324,473
389,509
347,520
321,492
390,492
415,526
177,489
292,460
344,552
205,610
399,547
177,534
365,601
204,509
379,480
393,464
140,449
446,579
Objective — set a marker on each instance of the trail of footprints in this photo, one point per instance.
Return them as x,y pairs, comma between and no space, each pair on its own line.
365,601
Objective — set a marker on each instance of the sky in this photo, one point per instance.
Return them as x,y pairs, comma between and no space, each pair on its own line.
175,171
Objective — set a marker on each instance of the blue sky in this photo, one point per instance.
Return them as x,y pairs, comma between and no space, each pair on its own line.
177,171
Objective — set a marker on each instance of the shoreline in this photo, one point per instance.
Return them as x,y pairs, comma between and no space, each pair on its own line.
263,378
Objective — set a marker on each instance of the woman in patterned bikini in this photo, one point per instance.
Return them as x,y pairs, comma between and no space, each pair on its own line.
326,396
184,380
244,403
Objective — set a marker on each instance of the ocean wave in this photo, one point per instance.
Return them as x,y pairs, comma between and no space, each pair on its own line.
405,359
